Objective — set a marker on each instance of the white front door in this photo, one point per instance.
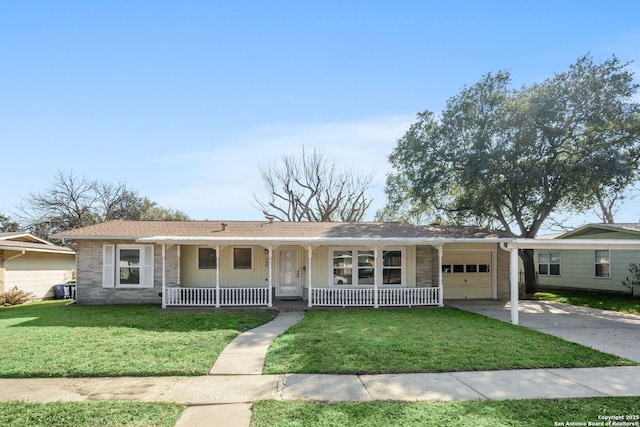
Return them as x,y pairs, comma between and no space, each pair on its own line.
288,284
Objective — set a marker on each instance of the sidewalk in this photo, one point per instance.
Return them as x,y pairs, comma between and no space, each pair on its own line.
226,395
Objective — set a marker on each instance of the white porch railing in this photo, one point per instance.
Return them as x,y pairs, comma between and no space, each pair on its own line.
327,297
179,296
342,297
398,297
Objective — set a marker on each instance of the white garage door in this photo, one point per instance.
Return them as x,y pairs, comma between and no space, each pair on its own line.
466,274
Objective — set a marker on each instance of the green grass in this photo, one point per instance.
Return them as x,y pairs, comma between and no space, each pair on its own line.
420,340
525,413
614,302
88,414
53,340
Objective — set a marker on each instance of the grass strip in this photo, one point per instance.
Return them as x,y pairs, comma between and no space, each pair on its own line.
78,414
367,341
604,301
525,413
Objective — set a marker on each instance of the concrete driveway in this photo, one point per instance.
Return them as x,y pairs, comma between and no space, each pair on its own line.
607,331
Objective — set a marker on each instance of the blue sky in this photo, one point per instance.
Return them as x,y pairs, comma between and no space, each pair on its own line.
182,100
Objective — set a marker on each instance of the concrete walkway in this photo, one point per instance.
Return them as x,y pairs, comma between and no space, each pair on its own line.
225,397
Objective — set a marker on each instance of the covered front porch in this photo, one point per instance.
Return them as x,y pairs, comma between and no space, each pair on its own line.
255,275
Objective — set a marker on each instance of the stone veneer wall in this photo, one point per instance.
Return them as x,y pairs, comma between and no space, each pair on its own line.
89,290
2,271
425,267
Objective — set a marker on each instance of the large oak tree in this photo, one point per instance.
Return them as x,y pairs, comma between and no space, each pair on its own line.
509,157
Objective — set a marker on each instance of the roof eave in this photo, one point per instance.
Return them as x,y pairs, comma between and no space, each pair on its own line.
181,240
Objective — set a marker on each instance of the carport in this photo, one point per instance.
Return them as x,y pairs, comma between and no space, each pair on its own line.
552,244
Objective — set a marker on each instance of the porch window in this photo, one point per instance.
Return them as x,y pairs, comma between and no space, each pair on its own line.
242,258
345,271
342,267
206,258
549,263
392,267
602,262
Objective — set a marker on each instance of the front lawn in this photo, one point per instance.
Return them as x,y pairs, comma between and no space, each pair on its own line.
78,414
50,339
368,341
604,301
525,413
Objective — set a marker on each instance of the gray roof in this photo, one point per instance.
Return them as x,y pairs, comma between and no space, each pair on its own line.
265,230
20,241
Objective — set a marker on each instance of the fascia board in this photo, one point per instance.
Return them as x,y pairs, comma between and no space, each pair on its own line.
620,244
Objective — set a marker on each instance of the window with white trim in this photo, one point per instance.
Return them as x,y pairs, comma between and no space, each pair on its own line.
133,266
602,263
243,258
363,272
549,263
206,258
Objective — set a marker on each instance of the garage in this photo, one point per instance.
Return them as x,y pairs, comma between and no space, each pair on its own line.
466,274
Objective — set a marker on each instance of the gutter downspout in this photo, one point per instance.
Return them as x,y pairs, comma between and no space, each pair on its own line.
513,279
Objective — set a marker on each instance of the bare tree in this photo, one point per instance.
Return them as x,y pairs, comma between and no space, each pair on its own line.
71,202
312,188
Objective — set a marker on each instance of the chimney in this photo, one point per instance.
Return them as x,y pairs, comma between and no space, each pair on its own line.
224,226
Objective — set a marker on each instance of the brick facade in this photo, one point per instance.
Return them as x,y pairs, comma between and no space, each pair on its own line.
503,279
89,290
425,267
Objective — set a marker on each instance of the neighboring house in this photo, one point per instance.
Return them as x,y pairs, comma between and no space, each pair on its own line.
215,263
33,265
596,268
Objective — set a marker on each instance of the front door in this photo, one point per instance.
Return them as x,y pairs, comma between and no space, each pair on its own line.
288,284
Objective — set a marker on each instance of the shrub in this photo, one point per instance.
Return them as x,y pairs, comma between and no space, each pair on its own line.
15,296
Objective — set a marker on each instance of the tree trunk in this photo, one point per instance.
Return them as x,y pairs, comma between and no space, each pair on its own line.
526,255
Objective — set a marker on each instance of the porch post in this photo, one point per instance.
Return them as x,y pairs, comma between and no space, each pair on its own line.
309,250
270,276
375,277
513,273
178,249
164,277
440,287
217,276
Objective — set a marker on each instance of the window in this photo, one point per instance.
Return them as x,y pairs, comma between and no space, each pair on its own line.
133,266
242,259
484,268
342,268
549,263
602,258
206,258
364,272
392,268
129,266
366,268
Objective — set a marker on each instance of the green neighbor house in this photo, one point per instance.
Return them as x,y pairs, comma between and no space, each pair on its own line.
601,269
